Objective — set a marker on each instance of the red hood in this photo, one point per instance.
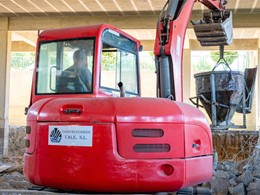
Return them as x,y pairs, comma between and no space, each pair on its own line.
113,110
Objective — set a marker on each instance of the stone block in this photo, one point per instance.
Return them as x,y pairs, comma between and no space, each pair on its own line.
219,185
246,177
221,174
254,186
237,190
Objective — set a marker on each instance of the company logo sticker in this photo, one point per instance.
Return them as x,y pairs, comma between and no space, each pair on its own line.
70,135
55,135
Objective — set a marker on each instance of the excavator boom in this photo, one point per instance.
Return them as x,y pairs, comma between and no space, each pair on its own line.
214,4
171,29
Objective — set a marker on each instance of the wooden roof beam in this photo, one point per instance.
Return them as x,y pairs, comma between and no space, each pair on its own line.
240,20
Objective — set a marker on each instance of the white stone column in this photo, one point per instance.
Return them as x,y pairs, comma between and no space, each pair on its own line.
257,88
5,49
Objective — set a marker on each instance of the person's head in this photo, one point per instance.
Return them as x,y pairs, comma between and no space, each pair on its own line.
79,57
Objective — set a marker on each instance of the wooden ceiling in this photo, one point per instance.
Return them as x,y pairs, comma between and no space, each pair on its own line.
20,11
18,8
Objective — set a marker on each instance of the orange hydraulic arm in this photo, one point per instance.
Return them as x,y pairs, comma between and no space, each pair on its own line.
172,24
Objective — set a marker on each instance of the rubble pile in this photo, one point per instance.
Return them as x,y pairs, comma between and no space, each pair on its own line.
237,178
11,173
11,165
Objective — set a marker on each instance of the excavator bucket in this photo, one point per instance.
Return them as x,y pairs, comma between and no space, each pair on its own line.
214,29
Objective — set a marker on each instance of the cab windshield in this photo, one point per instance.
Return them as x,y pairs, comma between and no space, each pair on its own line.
65,67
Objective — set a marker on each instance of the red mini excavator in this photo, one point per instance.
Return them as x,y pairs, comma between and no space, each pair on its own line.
86,133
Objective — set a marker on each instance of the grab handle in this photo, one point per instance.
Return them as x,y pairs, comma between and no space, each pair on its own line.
71,109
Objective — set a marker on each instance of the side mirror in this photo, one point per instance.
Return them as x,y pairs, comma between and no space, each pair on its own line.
141,48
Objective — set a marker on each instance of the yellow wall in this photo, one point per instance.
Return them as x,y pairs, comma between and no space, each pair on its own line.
20,90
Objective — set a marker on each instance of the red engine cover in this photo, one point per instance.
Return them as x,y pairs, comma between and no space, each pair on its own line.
117,145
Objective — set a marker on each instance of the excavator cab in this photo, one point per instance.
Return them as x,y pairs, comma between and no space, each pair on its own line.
87,65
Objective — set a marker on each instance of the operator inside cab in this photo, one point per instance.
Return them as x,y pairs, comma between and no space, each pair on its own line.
76,78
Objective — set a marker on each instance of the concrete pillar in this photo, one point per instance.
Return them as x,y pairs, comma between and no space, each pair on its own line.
186,73
257,87
5,49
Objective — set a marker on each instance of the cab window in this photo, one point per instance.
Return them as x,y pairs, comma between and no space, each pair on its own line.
65,67
119,64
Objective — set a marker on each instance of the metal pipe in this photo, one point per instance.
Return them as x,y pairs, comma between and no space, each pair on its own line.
221,51
171,9
122,89
213,100
164,70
